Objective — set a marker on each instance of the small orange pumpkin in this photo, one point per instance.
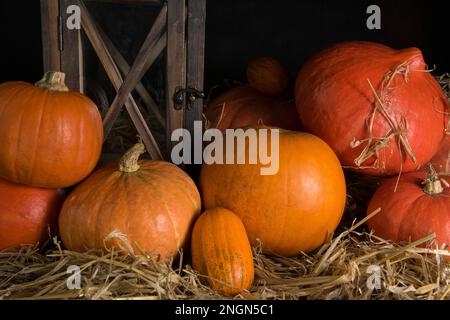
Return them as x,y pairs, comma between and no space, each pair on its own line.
418,206
221,251
244,106
27,214
291,211
50,137
268,76
146,205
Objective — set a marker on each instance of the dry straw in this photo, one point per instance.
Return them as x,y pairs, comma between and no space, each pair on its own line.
345,267
398,129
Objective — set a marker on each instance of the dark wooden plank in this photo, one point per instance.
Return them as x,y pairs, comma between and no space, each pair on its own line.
195,57
91,30
176,65
125,69
72,53
49,30
138,68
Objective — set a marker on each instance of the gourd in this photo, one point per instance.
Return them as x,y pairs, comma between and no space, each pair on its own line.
221,251
134,206
291,210
244,106
28,215
50,137
268,76
419,207
380,109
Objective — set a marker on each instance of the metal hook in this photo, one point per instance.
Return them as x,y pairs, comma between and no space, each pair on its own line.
190,93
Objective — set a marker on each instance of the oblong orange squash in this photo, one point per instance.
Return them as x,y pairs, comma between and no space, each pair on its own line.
291,211
221,251
27,214
146,205
50,137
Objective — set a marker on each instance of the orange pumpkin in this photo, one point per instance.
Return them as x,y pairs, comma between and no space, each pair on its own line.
27,214
221,251
379,109
441,160
291,211
133,206
268,76
419,206
244,106
50,137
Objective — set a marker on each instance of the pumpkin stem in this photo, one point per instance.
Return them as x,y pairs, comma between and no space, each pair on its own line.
129,161
53,81
433,184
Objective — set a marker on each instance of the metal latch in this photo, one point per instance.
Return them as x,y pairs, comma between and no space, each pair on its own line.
188,95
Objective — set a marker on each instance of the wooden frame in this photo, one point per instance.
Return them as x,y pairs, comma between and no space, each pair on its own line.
179,27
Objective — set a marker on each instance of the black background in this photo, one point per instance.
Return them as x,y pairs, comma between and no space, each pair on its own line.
238,30
318,309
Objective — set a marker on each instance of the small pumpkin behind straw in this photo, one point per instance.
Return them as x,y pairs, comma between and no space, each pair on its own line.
244,106
135,206
420,206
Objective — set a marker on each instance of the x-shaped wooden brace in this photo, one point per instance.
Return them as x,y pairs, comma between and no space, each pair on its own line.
152,47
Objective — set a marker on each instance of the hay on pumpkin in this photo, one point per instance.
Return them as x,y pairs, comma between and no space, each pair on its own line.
398,128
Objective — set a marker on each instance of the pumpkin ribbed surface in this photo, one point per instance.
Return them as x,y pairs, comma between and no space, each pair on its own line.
221,251
151,209
409,213
49,139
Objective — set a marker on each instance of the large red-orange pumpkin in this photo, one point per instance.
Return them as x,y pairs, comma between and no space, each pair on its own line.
419,206
221,251
336,102
244,106
49,136
268,76
27,215
291,211
441,160
133,206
